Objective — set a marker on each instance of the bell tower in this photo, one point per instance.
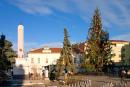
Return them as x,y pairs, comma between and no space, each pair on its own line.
20,41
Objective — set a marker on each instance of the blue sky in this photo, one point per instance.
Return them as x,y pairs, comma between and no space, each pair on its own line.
44,20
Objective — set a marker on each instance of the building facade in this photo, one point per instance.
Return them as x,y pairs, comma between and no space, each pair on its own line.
78,51
117,50
43,57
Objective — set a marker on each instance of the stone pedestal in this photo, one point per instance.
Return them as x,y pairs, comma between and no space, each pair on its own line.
46,78
46,75
21,67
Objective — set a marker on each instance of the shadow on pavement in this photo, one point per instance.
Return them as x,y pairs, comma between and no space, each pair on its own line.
16,80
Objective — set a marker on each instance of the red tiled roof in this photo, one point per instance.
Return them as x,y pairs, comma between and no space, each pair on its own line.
40,50
118,41
56,50
78,48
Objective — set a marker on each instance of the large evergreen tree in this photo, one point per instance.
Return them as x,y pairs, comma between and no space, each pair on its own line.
66,62
98,49
7,54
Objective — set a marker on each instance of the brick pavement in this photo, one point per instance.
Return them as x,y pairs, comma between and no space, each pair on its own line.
97,81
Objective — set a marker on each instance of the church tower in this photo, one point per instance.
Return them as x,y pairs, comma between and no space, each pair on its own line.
20,41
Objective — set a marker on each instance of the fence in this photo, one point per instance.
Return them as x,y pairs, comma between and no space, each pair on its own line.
109,84
83,83
118,84
88,83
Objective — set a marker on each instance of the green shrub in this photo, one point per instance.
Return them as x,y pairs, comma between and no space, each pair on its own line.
90,68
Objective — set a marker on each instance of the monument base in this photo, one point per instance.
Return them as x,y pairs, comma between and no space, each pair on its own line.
21,67
46,78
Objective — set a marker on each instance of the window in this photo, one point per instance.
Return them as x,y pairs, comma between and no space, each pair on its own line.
75,60
32,60
38,60
81,60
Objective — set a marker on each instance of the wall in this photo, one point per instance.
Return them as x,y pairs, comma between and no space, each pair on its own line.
116,50
45,59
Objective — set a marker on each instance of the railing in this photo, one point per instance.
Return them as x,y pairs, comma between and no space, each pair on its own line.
109,84
83,83
117,84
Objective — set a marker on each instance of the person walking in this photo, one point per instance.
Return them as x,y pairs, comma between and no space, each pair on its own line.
123,75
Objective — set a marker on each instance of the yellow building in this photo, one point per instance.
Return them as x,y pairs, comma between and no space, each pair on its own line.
117,49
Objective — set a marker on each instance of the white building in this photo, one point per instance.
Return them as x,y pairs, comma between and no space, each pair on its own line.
43,57
78,51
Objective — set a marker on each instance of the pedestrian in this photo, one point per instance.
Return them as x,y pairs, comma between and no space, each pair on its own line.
43,74
122,75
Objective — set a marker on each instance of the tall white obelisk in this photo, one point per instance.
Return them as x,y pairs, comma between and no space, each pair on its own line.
20,41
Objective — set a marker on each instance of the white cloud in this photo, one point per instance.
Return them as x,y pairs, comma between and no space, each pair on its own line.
122,37
115,12
27,46
32,6
32,45
53,44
